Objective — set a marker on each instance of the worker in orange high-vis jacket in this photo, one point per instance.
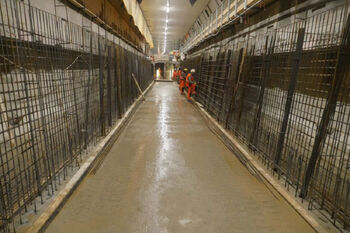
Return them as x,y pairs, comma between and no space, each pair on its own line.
191,84
182,80
174,74
178,74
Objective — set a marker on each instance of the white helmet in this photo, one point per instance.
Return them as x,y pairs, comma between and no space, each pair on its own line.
193,71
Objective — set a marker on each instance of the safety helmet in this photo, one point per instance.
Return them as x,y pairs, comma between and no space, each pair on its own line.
186,69
193,71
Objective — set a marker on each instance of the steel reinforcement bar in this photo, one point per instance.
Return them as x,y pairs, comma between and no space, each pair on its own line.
285,93
62,88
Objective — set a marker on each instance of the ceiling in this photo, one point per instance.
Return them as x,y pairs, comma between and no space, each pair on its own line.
181,16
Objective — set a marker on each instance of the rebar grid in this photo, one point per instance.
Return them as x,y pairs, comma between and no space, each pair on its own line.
63,87
285,93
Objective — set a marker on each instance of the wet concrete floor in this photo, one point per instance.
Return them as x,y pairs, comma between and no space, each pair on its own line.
168,173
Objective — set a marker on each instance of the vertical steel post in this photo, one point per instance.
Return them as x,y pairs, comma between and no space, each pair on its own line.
90,67
101,86
226,76
109,87
29,109
291,89
117,82
264,79
237,72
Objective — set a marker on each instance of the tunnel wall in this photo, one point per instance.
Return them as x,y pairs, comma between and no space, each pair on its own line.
63,86
284,92
111,12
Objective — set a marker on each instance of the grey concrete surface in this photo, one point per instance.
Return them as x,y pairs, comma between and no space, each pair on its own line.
168,173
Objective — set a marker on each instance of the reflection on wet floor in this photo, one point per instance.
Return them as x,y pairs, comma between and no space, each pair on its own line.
168,173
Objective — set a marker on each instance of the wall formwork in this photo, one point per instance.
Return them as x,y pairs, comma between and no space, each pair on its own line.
63,86
284,91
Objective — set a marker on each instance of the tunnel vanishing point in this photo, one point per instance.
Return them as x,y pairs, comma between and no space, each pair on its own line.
171,116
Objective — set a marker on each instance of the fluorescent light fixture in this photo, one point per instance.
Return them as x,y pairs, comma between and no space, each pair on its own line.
166,25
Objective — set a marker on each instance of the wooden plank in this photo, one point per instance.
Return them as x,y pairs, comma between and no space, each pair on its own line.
138,86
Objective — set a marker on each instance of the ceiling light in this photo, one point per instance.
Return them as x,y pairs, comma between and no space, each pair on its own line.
167,9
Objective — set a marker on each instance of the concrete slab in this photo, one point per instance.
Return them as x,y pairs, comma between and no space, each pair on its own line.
48,211
315,220
169,173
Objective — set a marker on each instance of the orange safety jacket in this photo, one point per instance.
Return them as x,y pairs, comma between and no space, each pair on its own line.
178,75
182,77
189,80
174,74
182,80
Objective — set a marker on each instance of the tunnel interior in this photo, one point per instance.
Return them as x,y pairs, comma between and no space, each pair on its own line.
274,75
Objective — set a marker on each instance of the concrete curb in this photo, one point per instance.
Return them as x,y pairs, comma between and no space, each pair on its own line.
102,147
304,213
163,80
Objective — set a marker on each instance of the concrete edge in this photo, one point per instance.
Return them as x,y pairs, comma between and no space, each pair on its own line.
304,213
163,80
58,202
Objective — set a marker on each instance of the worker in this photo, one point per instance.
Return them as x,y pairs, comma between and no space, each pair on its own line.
182,81
178,74
174,74
190,84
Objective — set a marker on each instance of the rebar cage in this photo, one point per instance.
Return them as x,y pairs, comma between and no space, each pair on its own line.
285,92
63,87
